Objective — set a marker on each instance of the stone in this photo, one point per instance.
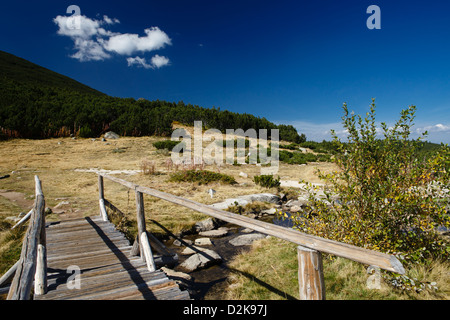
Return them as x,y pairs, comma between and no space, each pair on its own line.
13,219
243,175
221,232
176,274
48,210
111,135
295,208
246,239
201,260
203,242
180,243
269,211
205,225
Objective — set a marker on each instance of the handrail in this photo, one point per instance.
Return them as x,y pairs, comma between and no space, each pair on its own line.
32,265
142,238
361,255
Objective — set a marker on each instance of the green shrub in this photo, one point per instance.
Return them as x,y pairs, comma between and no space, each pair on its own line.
201,176
267,181
165,144
386,203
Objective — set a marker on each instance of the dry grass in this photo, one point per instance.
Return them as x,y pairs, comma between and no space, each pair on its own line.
269,272
55,162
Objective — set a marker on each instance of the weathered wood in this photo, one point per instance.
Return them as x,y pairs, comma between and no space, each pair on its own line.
147,252
101,199
40,278
23,220
135,251
310,274
23,279
370,257
8,275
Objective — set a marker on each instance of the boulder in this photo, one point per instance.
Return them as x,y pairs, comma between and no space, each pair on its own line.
246,239
111,135
201,260
205,225
203,242
221,232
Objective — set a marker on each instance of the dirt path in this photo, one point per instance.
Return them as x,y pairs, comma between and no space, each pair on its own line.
18,198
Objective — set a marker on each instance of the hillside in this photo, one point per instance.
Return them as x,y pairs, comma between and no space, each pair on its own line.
39,103
19,70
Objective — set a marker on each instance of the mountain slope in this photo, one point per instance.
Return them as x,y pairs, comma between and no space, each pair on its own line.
25,72
38,103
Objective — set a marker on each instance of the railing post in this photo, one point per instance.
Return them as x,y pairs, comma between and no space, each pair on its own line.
40,278
101,198
310,274
32,264
144,245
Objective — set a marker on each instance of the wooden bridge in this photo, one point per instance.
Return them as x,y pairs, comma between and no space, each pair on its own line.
89,259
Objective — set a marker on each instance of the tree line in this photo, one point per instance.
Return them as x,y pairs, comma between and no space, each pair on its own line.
30,110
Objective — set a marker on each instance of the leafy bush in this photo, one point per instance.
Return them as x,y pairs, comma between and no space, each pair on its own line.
201,176
386,203
267,181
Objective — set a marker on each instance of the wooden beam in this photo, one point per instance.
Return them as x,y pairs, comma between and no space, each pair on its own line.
361,255
148,255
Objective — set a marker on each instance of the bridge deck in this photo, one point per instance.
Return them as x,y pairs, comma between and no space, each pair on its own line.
107,271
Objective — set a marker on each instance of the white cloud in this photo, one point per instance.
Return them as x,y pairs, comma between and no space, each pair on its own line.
159,61
156,62
108,20
128,44
140,62
89,50
93,42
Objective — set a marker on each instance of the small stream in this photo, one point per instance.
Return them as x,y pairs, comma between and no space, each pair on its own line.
210,283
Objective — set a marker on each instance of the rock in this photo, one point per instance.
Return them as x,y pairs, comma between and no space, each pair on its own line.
48,210
13,219
263,197
205,225
203,242
269,211
244,200
193,249
180,243
295,208
111,135
221,232
176,274
103,140
243,175
230,202
246,239
201,260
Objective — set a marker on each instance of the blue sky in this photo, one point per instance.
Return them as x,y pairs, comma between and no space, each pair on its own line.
293,62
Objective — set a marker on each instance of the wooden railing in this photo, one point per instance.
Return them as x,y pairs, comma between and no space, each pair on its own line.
32,265
311,284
